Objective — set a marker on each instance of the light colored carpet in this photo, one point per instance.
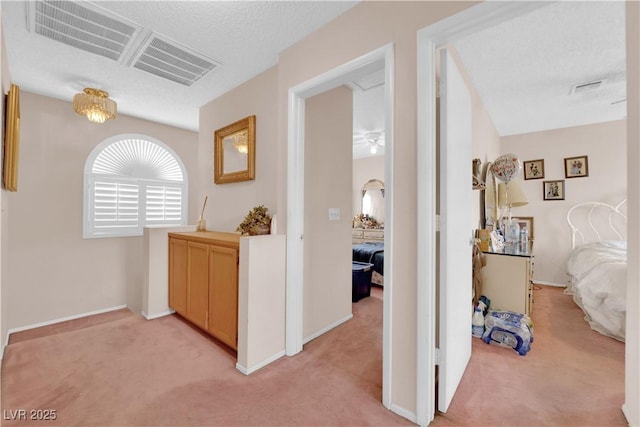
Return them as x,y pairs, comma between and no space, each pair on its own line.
133,372
127,371
573,376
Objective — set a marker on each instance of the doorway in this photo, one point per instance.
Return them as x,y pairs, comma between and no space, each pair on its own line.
429,40
361,66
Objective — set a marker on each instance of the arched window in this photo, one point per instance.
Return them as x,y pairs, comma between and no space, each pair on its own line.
132,181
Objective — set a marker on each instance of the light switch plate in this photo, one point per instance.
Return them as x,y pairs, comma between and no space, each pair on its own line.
334,214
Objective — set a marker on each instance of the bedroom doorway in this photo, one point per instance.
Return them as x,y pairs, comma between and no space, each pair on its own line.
429,40
295,306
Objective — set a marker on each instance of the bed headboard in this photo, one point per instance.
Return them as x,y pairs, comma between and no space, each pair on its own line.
595,221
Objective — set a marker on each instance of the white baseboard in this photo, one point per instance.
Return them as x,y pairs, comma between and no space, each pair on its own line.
327,328
625,412
411,416
155,316
542,282
265,362
63,319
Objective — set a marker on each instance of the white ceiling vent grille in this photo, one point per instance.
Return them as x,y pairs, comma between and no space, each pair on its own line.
170,60
85,27
587,87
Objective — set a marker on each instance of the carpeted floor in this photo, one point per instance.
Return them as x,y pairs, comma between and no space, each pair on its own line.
126,371
572,376
133,372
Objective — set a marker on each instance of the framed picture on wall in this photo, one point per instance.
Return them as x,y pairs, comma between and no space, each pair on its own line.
553,190
533,169
575,167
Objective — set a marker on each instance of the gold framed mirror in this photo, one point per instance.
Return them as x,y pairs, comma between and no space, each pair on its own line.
12,139
234,151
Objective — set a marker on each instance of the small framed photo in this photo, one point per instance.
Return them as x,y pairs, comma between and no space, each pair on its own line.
575,167
526,221
553,190
534,169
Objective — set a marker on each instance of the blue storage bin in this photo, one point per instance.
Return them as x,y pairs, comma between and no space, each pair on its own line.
360,280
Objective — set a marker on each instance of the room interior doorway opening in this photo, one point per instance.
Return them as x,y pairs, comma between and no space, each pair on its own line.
338,76
429,39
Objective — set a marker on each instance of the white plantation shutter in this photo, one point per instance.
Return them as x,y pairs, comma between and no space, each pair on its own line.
132,182
164,204
115,204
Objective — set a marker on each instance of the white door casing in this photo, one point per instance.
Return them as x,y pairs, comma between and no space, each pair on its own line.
295,199
473,19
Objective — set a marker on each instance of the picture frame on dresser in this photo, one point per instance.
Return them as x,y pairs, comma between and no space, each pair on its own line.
526,221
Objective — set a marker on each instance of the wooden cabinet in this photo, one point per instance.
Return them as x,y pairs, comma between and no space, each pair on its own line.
507,281
361,235
203,281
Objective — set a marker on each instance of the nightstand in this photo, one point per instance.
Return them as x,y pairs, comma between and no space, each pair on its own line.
507,279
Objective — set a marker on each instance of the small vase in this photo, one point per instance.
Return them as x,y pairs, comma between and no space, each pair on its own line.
259,230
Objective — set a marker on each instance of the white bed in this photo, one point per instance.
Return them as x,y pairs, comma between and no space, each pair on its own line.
597,265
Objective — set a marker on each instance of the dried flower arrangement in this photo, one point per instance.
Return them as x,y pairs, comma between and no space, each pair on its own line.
365,221
257,221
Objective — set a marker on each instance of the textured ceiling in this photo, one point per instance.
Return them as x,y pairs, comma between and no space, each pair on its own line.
244,37
524,69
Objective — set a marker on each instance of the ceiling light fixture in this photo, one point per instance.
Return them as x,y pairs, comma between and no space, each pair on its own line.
95,104
240,142
372,138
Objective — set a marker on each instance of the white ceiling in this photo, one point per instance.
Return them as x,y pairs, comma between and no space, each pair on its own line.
244,37
523,69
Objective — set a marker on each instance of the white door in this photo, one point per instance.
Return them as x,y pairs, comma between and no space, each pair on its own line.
455,308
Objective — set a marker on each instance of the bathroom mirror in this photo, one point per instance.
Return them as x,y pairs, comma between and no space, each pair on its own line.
373,200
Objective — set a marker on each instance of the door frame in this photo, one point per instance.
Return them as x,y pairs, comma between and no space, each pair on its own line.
297,95
429,39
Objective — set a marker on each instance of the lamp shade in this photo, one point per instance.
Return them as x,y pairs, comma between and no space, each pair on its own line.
510,195
95,104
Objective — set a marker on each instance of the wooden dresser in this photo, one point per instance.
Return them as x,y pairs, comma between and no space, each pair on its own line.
361,235
203,281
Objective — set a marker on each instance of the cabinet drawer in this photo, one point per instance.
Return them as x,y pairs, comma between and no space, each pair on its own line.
374,234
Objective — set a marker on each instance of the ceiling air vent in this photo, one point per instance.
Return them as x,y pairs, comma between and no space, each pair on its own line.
170,60
86,27
587,87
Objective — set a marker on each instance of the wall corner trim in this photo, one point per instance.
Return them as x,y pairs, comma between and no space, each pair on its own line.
328,328
265,362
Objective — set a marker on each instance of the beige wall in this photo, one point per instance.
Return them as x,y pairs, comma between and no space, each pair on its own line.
229,203
51,271
364,170
360,30
328,176
632,347
5,79
605,144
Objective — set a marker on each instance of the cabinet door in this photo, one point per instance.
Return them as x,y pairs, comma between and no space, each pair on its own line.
197,283
178,275
506,282
223,294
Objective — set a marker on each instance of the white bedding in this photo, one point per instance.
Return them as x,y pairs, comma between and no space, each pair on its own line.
598,283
